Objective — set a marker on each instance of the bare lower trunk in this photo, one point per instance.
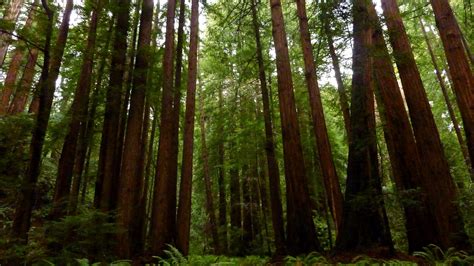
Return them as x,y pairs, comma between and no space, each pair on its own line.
301,232
449,105
131,179
330,178
163,225
18,103
364,222
272,164
441,191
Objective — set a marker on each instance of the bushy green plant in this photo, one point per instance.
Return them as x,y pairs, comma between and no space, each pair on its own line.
312,258
436,256
87,234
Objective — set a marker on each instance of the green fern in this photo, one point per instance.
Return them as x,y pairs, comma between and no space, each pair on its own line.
435,255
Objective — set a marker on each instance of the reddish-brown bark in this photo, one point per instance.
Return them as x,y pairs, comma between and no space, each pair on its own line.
330,178
301,233
401,146
78,119
449,105
441,191
107,177
131,178
9,18
461,73
163,222
272,164
14,68
18,103
22,217
364,222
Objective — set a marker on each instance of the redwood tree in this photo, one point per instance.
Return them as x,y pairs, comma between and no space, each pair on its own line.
364,222
184,207
272,164
461,73
330,178
441,191
301,233
131,179
78,119
107,176
163,222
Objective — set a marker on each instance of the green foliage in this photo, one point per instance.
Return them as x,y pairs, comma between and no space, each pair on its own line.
312,258
436,256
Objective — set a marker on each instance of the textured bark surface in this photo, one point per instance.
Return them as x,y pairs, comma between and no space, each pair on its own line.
163,223
184,207
78,118
462,76
300,228
401,146
444,90
131,179
13,69
272,164
27,196
46,101
330,178
10,17
20,99
107,177
364,223
441,191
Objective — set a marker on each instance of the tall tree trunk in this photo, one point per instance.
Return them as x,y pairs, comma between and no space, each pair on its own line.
463,79
184,208
235,205
221,178
207,181
177,90
9,18
401,146
272,164
78,119
18,103
364,222
163,226
301,232
131,179
27,197
441,191
343,101
451,112
330,178
13,70
88,129
107,177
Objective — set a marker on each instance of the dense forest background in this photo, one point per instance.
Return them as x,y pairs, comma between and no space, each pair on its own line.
236,131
